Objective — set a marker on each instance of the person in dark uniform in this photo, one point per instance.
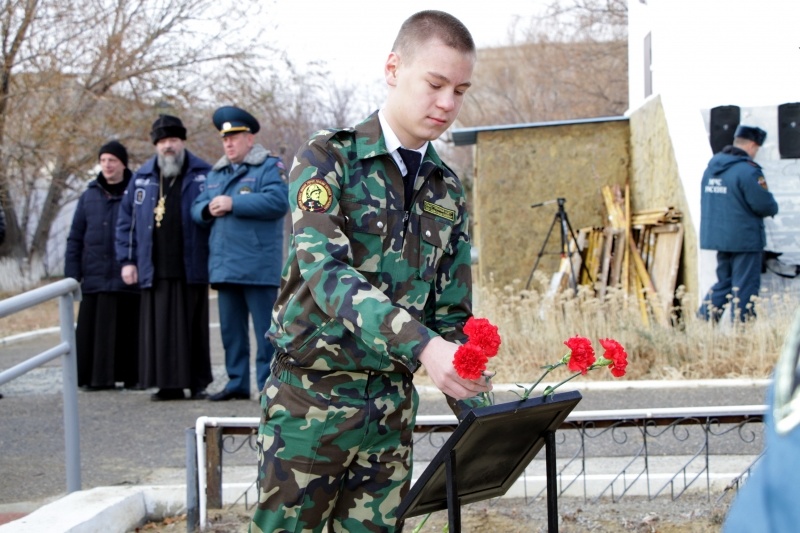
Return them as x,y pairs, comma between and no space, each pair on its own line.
734,202
244,202
108,321
167,254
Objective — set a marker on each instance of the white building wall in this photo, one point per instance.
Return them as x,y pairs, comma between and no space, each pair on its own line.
714,52
710,53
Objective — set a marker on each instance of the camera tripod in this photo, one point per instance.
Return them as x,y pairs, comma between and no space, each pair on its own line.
565,228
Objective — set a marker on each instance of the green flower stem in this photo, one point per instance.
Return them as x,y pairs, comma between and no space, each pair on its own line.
486,398
419,526
549,390
549,368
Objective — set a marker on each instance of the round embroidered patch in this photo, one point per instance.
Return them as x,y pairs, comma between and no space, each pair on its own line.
315,195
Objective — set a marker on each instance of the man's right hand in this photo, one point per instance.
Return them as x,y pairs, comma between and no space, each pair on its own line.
130,274
437,358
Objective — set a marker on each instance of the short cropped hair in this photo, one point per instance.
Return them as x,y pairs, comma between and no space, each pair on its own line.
421,27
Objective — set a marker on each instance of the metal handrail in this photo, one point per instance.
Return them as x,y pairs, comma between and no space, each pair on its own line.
68,291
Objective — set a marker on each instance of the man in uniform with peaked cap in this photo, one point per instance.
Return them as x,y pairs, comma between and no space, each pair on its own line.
734,202
243,205
160,247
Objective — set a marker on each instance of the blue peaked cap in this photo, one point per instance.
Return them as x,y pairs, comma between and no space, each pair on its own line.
230,119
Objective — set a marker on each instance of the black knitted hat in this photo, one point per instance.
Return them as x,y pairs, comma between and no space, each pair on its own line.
116,149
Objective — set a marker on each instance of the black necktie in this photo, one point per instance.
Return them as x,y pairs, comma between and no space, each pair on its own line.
412,160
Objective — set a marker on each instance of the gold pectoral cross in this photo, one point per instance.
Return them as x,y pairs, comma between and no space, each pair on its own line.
159,211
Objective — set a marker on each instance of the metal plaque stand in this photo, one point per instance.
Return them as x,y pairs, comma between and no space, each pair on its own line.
486,454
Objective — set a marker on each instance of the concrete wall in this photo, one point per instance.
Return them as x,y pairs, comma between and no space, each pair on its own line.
522,166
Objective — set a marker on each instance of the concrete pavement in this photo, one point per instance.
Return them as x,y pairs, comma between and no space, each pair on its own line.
132,445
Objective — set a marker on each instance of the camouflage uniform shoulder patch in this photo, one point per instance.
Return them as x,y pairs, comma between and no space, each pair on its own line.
315,195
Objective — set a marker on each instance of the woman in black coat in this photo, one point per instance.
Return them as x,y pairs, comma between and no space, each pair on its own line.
108,320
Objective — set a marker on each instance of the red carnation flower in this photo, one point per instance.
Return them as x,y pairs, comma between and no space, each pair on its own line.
616,353
469,361
582,356
483,334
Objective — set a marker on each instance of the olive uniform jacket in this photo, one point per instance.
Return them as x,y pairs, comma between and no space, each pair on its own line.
366,284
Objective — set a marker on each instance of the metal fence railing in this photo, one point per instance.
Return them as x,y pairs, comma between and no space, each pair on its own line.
68,292
631,444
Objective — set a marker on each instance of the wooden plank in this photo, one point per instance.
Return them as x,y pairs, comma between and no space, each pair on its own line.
597,255
602,282
666,262
592,255
646,248
616,215
618,247
640,297
641,271
627,237
587,250
214,467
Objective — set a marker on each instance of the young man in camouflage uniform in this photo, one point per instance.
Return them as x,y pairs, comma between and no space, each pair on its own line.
377,283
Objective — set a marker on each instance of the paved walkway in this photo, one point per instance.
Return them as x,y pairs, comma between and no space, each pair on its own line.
128,440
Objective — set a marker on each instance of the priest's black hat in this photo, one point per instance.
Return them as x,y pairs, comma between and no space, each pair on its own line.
167,126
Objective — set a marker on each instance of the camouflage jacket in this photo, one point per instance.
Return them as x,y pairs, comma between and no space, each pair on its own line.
367,285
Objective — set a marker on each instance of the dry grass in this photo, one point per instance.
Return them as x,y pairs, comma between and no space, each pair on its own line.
44,315
534,327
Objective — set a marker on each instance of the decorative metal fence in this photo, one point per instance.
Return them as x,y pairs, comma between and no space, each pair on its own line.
600,454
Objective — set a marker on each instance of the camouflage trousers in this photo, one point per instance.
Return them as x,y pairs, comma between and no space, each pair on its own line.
339,459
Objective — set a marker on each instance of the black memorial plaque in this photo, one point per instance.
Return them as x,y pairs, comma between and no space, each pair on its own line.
491,447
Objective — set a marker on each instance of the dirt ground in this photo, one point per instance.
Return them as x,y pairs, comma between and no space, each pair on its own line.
692,513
